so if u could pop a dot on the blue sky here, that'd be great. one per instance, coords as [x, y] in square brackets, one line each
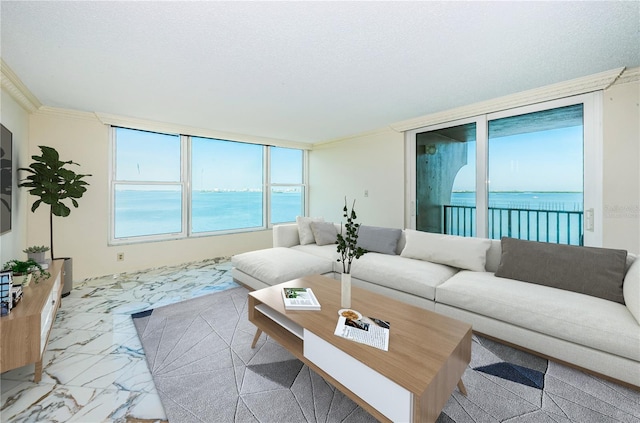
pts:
[216, 164]
[539, 161]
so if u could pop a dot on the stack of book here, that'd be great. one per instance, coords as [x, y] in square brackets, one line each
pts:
[300, 299]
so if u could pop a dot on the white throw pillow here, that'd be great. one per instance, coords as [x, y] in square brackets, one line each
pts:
[457, 251]
[304, 229]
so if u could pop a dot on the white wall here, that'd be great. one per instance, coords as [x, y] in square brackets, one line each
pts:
[621, 156]
[83, 235]
[16, 120]
[373, 162]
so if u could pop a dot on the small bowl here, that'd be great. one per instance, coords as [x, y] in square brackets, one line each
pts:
[348, 310]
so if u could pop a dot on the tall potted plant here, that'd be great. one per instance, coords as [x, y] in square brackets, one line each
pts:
[53, 184]
[348, 250]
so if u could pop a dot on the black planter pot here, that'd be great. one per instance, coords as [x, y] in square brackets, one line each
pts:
[67, 275]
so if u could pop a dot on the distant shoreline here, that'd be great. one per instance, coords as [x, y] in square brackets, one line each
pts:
[523, 192]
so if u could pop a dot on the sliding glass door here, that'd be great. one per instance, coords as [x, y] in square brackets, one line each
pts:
[529, 173]
[445, 175]
[536, 173]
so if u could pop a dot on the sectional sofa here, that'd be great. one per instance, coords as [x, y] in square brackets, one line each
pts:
[577, 305]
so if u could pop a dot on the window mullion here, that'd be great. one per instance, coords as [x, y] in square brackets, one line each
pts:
[266, 187]
[185, 180]
[482, 177]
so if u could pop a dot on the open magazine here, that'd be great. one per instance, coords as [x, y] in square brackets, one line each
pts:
[367, 330]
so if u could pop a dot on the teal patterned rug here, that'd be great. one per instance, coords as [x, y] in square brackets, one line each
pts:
[204, 369]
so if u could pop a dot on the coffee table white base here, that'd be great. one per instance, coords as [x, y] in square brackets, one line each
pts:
[386, 396]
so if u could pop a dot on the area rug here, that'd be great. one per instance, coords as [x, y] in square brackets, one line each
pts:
[199, 353]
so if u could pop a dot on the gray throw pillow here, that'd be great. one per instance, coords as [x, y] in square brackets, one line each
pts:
[379, 240]
[598, 272]
[324, 232]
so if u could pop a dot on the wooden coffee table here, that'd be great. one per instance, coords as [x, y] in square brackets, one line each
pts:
[428, 352]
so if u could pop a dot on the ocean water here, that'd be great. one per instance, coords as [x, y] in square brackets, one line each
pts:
[141, 213]
[564, 201]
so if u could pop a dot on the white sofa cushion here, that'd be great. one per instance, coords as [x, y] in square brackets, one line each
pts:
[329, 252]
[631, 289]
[304, 229]
[285, 235]
[403, 274]
[277, 265]
[578, 318]
[457, 251]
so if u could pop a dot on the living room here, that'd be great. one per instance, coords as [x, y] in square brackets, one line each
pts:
[83, 136]
[371, 155]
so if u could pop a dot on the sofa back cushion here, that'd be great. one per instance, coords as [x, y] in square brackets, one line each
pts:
[494, 254]
[588, 270]
[631, 288]
[457, 251]
[379, 240]
[285, 235]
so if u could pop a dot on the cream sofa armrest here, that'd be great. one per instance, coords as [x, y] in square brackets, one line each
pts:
[286, 235]
[631, 289]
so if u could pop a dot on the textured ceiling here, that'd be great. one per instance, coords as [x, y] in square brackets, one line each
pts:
[305, 71]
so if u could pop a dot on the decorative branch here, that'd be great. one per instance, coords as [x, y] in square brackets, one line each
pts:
[347, 244]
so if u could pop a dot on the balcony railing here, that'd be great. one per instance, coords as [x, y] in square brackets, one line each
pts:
[556, 226]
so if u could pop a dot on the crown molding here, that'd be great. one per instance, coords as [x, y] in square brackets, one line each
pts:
[629, 75]
[14, 86]
[599, 81]
[171, 128]
[59, 112]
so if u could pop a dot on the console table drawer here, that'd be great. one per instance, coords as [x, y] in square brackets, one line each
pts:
[48, 313]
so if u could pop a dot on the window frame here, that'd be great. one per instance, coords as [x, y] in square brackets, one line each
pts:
[186, 185]
[269, 185]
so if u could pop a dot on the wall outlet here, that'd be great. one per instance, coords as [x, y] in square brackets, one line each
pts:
[120, 256]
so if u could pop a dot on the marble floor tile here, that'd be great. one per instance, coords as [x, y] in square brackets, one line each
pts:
[94, 366]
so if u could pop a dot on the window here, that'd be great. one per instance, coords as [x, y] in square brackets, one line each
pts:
[535, 166]
[286, 185]
[171, 186]
[147, 190]
[227, 179]
[519, 173]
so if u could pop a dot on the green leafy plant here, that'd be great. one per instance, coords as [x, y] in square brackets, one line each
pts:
[29, 266]
[347, 243]
[53, 183]
[36, 249]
